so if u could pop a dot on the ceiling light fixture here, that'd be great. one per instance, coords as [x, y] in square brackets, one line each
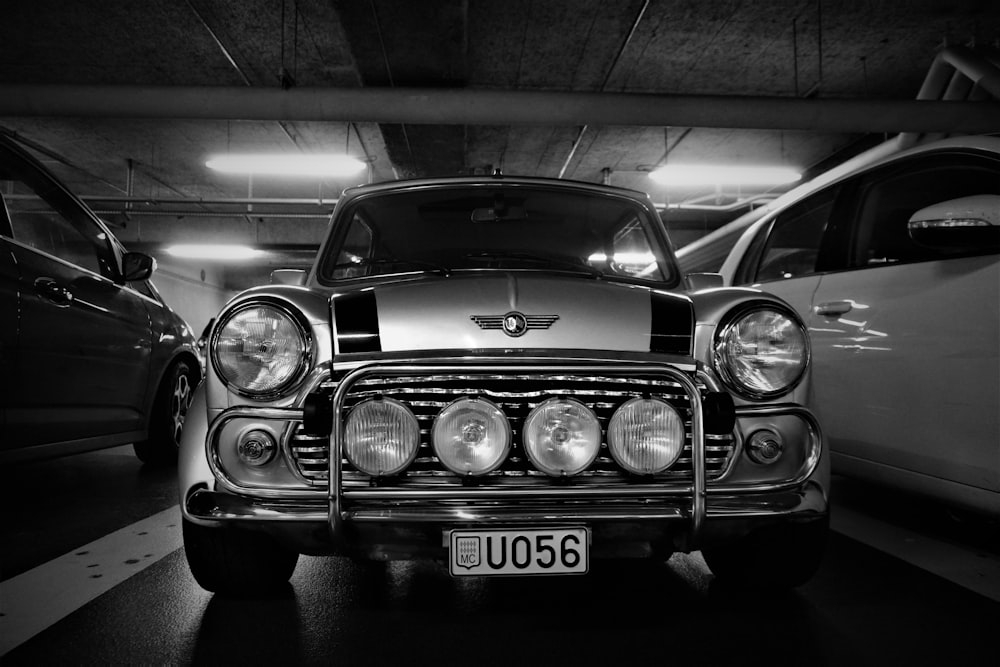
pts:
[287, 165]
[694, 175]
[219, 252]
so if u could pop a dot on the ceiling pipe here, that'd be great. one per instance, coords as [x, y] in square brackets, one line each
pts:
[604, 84]
[496, 107]
[957, 73]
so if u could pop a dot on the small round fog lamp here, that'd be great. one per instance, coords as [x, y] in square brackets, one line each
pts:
[381, 437]
[562, 437]
[646, 436]
[471, 436]
[256, 448]
[765, 447]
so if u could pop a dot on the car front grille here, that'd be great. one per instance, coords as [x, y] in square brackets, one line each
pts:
[516, 395]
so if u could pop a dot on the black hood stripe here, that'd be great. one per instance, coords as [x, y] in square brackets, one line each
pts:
[671, 327]
[357, 323]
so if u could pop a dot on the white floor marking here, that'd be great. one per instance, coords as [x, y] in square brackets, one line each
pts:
[33, 601]
[979, 571]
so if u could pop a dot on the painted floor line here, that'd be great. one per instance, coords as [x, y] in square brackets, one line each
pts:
[978, 571]
[39, 598]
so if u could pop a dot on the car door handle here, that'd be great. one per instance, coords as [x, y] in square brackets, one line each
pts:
[52, 291]
[834, 308]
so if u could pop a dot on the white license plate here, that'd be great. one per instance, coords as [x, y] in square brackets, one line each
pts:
[483, 553]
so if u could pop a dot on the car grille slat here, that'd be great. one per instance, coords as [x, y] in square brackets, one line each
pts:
[516, 395]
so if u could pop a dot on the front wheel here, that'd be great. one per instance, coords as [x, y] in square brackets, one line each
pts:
[167, 419]
[774, 558]
[236, 562]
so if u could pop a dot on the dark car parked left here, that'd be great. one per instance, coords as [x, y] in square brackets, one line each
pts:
[90, 355]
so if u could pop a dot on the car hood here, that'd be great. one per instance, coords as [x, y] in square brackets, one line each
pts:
[467, 312]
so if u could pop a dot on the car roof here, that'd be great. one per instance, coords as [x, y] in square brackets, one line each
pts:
[493, 181]
[882, 154]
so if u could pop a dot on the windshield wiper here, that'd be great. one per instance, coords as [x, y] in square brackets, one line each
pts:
[430, 267]
[541, 258]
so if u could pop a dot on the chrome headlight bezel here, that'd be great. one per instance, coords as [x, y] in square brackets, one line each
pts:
[722, 362]
[294, 379]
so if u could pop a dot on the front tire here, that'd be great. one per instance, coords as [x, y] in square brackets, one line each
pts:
[775, 558]
[167, 419]
[236, 562]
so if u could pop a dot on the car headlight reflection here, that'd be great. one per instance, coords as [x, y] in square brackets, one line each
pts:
[259, 350]
[646, 436]
[562, 436]
[762, 353]
[381, 437]
[471, 436]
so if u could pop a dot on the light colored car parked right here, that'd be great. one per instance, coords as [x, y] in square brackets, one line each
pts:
[895, 270]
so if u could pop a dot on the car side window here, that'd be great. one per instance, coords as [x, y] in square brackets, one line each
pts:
[43, 217]
[632, 255]
[887, 199]
[357, 246]
[793, 244]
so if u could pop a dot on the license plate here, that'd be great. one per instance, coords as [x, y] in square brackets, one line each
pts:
[484, 553]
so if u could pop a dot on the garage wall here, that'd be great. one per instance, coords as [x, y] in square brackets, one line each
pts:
[194, 291]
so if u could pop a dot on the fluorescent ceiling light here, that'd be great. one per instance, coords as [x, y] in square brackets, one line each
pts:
[214, 251]
[679, 174]
[287, 165]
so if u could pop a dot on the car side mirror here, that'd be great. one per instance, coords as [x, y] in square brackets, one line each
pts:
[137, 266]
[700, 281]
[966, 223]
[288, 277]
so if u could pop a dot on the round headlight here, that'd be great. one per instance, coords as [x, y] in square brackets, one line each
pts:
[762, 353]
[259, 350]
[646, 435]
[381, 436]
[471, 436]
[562, 436]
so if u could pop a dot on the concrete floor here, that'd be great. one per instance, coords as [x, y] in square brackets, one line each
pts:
[96, 539]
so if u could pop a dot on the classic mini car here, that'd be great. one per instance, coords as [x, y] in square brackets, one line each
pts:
[504, 373]
[90, 354]
[895, 269]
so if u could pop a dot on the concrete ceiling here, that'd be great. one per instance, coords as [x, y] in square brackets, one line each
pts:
[687, 75]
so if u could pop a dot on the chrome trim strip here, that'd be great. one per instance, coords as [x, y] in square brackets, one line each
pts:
[795, 410]
[514, 514]
[258, 414]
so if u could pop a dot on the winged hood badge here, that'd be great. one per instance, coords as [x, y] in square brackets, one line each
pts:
[514, 324]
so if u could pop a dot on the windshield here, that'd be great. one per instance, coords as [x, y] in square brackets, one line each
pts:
[469, 228]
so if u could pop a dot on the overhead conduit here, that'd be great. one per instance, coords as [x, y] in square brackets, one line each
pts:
[496, 107]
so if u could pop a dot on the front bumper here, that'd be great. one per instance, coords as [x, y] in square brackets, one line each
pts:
[635, 527]
[633, 519]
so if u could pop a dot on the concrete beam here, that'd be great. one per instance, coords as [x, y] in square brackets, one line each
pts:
[498, 107]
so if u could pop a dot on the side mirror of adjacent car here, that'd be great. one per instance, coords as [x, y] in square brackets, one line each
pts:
[700, 281]
[966, 223]
[137, 266]
[288, 277]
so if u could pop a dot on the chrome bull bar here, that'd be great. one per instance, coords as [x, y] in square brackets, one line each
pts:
[339, 512]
